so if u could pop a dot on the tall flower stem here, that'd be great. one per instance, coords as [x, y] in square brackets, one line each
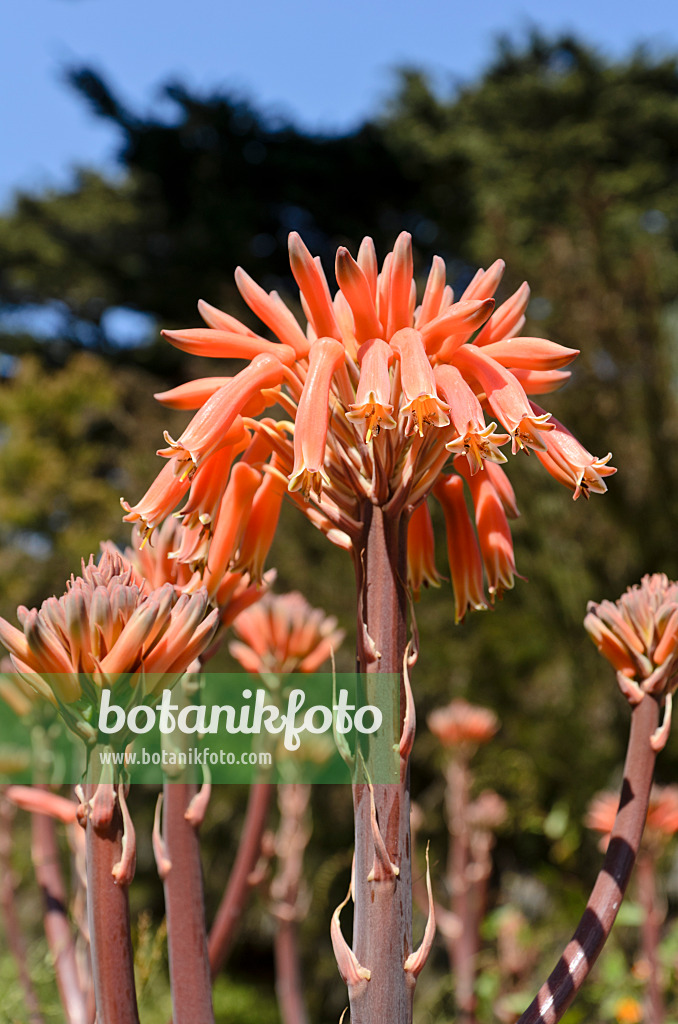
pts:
[45, 854]
[234, 898]
[180, 868]
[108, 918]
[382, 892]
[464, 947]
[15, 938]
[287, 893]
[646, 880]
[185, 909]
[582, 951]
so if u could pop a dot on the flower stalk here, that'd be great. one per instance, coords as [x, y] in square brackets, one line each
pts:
[15, 939]
[183, 810]
[582, 951]
[45, 854]
[646, 880]
[233, 901]
[288, 899]
[185, 908]
[108, 914]
[382, 883]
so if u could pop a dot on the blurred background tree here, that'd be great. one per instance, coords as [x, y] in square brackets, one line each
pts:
[561, 163]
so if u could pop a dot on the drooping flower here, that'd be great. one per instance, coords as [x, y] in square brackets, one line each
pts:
[110, 629]
[463, 552]
[569, 462]
[494, 533]
[421, 565]
[376, 394]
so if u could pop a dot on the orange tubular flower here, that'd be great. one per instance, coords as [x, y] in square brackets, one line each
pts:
[476, 441]
[375, 393]
[462, 548]
[506, 398]
[231, 523]
[373, 397]
[159, 501]
[325, 357]
[209, 430]
[568, 461]
[261, 525]
[421, 403]
[494, 533]
[421, 564]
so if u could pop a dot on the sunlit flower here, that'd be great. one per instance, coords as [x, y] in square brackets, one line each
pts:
[461, 723]
[569, 462]
[158, 564]
[463, 553]
[110, 629]
[494, 533]
[378, 395]
[373, 396]
[638, 634]
[421, 565]
[282, 633]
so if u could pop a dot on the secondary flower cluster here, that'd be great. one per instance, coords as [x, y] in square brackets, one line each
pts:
[282, 633]
[378, 394]
[461, 724]
[110, 629]
[638, 634]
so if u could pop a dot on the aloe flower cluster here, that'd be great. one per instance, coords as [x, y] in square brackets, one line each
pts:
[385, 400]
[282, 633]
[110, 629]
[463, 724]
[638, 634]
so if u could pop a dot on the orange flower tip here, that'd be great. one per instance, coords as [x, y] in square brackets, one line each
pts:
[344, 260]
[536, 354]
[192, 395]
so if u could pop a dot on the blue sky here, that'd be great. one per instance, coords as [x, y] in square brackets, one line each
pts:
[325, 63]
